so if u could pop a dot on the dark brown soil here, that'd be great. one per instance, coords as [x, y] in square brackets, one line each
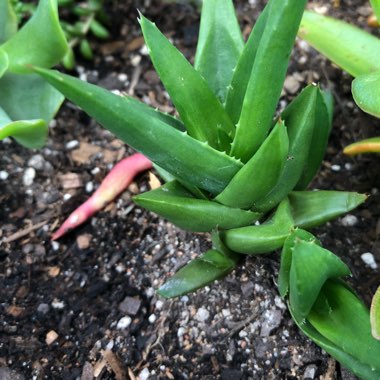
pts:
[93, 293]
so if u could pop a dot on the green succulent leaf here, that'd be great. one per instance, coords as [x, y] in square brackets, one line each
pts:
[375, 315]
[260, 174]
[200, 110]
[313, 208]
[8, 21]
[4, 62]
[219, 45]
[199, 272]
[29, 133]
[299, 118]
[376, 8]
[351, 48]
[270, 66]
[166, 146]
[263, 238]
[32, 44]
[287, 255]
[366, 92]
[356, 349]
[305, 282]
[28, 97]
[242, 72]
[322, 128]
[173, 202]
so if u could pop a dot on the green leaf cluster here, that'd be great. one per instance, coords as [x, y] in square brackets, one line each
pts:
[232, 165]
[355, 51]
[27, 102]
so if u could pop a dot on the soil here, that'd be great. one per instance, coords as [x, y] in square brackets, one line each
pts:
[85, 307]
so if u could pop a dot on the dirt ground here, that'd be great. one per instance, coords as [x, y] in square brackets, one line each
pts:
[85, 307]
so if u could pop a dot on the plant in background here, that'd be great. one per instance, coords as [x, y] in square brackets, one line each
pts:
[233, 170]
[90, 18]
[27, 102]
[355, 51]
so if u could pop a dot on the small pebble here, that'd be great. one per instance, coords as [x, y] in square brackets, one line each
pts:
[89, 187]
[124, 323]
[122, 77]
[72, 144]
[37, 162]
[144, 374]
[349, 220]
[369, 260]
[335, 168]
[29, 175]
[51, 337]
[310, 372]
[66, 196]
[272, 319]
[130, 305]
[181, 332]
[202, 314]
[43, 308]
[4, 175]
[152, 318]
[57, 304]
[55, 245]
[185, 299]
[159, 305]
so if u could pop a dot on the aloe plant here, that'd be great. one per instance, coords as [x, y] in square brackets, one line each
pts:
[27, 102]
[234, 168]
[355, 51]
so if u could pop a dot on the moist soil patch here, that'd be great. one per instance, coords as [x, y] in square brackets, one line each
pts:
[85, 307]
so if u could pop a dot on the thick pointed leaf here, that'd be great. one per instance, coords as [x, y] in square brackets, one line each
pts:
[173, 202]
[299, 118]
[167, 147]
[345, 323]
[242, 72]
[305, 282]
[201, 271]
[351, 48]
[322, 128]
[267, 76]
[262, 238]
[259, 175]
[29, 133]
[8, 21]
[371, 145]
[375, 4]
[219, 45]
[364, 370]
[375, 315]
[313, 208]
[26, 97]
[286, 257]
[39, 42]
[4, 62]
[200, 110]
[366, 92]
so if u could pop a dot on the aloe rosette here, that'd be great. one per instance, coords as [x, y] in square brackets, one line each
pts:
[28, 103]
[231, 166]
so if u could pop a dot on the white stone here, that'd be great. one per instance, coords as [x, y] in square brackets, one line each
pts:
[122, 77]
[369, 260]
[37, 162]
[29, 175]
[55, 245]
[124, 323]
[144, 374]
[181, 332]
[72, 144]
[335, 168]
[349, 220]
[4, 175]
[57, 304]
[159, 305]
[89, 187]
[202, 314]
[152, 318]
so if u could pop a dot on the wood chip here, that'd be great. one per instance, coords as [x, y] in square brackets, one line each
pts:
[85, 151]
[115, 364]
[70, 181]
[154, 182]
[99, 367]
[136, 43]
[14, 311]
[131, 374]
[51, 337]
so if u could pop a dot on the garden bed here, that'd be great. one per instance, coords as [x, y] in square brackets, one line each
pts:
[86, 307]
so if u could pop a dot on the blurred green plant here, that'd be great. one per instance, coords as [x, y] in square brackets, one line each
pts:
[84, 18]
[355, 51]
[234, 169]
[27, 102]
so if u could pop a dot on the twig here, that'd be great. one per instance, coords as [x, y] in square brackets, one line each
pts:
[19, 234]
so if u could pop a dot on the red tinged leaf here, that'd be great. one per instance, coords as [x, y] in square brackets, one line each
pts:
[115, 182]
